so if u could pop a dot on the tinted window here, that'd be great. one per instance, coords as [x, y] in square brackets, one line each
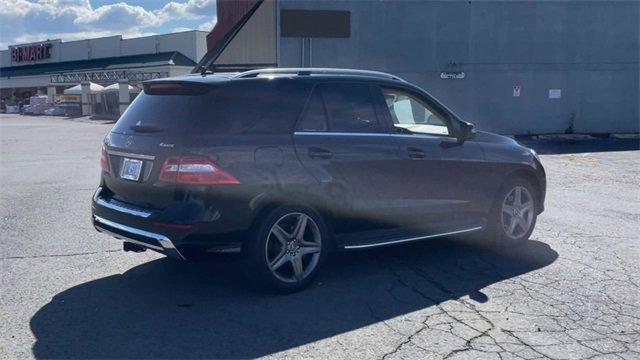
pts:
[350, 108]
[238, 107]
[411, 115]
[315, 116]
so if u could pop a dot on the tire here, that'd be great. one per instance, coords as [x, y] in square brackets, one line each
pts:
[276, 259]
[511, 223]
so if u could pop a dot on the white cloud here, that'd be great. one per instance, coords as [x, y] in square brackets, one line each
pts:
[191, 9]
[120, 16]
[208, 25]
[33, 20]
[27, 38]
[52, 8]
[180, 29]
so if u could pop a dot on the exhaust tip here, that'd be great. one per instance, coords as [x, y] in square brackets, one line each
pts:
[127, 246]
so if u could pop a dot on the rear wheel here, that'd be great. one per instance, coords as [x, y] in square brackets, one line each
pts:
[513, 215]
[286, 249]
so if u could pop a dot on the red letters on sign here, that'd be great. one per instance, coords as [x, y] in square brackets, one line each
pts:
[31, 52]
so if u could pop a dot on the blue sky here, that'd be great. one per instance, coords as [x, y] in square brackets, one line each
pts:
[24, 21]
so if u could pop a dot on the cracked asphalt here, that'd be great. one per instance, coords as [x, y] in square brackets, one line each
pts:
[66, 291]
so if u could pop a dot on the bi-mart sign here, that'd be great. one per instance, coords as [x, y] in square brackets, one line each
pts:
[33, 52]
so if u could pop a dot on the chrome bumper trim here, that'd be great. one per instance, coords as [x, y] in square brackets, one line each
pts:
[167, 247]
[131, 155]
[400, 241]
[135, 212]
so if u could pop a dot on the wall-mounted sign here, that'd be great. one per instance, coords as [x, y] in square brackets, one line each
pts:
[33, 52]
[555, 93]
[516, 90]
[315, 23]
[455, 75]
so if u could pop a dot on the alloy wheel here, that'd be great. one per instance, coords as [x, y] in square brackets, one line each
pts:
[517, 212]
[293, 247]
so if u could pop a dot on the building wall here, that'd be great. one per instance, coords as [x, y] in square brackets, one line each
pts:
[588, 49]
[255, 43]
[183, 42]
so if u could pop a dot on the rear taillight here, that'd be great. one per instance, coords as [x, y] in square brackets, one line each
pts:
[104, 160]
[194, 170]
[169, 171]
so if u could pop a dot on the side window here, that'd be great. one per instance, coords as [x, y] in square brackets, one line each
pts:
[410, 115]
[350, 108]
[315, 116]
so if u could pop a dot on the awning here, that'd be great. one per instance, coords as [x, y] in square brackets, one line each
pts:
[116, 87]
[77, 90]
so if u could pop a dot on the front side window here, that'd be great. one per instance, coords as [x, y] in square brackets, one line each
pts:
[411, 115]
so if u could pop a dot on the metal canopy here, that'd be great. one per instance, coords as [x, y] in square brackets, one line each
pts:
[107, 76]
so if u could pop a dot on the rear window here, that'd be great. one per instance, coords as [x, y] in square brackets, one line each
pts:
[237, 107]
[348, 107]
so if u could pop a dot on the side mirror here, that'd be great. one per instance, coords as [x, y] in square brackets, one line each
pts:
[466, 131]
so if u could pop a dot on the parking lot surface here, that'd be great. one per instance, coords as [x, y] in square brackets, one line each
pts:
[573, 291]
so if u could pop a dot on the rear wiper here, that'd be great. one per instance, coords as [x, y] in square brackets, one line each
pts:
[146, 128]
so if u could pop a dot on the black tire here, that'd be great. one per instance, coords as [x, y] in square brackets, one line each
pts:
[495, 234]
[256, 250]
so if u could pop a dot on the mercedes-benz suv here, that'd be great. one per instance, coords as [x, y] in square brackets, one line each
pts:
[286, 165]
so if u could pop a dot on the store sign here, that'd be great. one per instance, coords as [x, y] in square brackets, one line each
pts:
[33, 52]
[452, 75]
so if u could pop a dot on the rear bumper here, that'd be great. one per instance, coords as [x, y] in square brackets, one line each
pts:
[153, 229]
[150, 240]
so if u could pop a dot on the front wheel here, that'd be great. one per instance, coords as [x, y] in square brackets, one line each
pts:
[286, 249]
[513, 215]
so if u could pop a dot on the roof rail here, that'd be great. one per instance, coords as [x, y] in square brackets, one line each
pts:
[317, 71]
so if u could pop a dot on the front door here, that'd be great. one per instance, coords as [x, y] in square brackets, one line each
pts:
[442, 176]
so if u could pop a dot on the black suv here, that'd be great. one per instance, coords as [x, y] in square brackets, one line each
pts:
[286, 165]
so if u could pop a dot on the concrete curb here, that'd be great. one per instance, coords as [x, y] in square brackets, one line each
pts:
[87, 119]
[564, 137]
[576, 137]
[625, 136]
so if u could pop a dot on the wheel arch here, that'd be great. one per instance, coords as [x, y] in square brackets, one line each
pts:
[267, 202]
[530, 176]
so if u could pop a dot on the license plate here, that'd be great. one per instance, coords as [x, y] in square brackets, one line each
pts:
[131, 169]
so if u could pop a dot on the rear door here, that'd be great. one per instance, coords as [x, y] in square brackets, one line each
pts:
[342, 142]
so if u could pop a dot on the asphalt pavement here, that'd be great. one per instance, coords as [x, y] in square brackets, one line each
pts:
[66, 291]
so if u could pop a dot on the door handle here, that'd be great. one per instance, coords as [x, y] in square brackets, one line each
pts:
[318, 153]
[415, 153]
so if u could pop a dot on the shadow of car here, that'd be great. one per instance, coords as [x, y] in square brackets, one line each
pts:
[170, 309]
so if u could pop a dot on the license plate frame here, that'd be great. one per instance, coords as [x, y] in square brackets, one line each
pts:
[130, 169]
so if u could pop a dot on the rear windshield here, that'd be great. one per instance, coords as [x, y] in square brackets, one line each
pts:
[237, 107]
